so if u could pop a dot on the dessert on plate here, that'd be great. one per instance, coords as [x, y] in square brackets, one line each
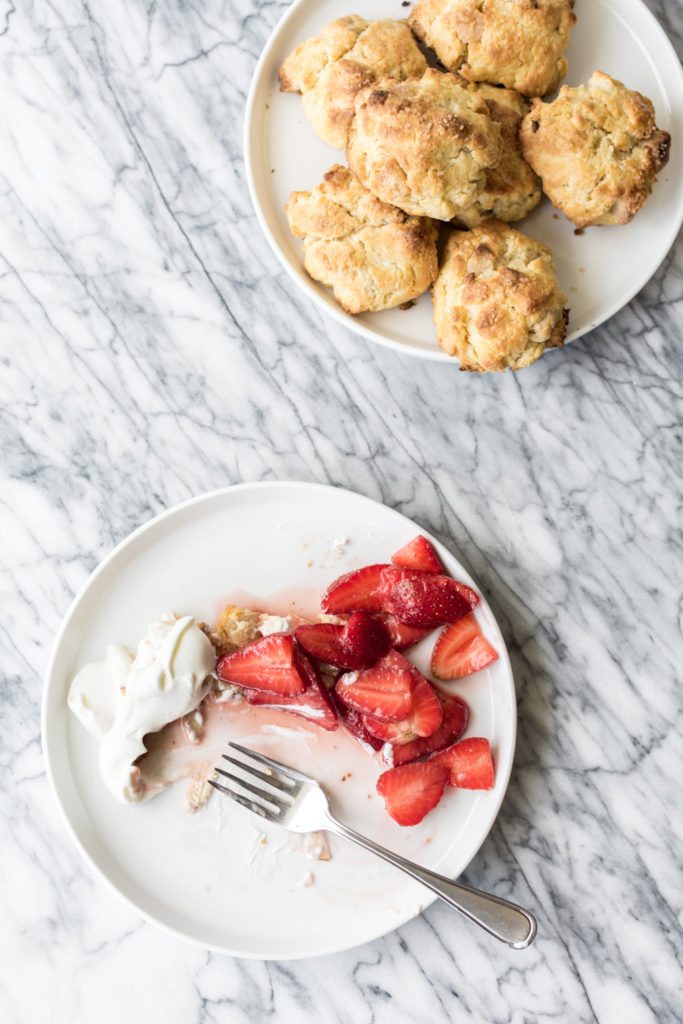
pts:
[516, 43]
[424, 144]
[597, 150]
[512, 189]
[373, 255]
[152, 713]
[349, 54]
[497, 300]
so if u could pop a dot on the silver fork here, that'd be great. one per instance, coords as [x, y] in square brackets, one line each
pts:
[297, 802]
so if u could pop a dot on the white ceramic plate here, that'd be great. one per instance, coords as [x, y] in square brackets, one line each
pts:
[207, 877]
[600, 270]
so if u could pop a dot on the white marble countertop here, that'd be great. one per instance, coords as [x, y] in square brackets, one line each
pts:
[153, 349]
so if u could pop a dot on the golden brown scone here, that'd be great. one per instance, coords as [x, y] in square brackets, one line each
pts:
[371, 254]
[349, 53]
[497, 301]
[424, 144]
[516, 43]
[236, 627]
[597, 149]
[512, 189]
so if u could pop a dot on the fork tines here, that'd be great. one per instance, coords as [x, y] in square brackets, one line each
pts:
[271, 805]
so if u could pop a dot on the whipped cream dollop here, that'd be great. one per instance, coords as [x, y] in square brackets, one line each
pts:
[120, 699]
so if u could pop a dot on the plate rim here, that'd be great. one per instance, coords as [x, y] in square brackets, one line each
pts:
[62, 632]
[328, 305]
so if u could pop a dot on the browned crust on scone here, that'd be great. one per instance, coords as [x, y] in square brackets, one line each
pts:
[597, 150]
[520, 45]
[373, 255]
[497, 301]
[425, 144]
[512, 189]
[349, 54]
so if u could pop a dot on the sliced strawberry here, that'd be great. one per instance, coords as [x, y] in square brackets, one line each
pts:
[363, 641]
[401, 635]
[425, 599]
[313, 704]
[359, 643]
[461, 649]
[355, 723]
[356, 591]
[418, 554]
[411, 791]
[456, 717]
[321, 641]
[383, 691]
[469, 763]
[268, 664]
[423, 719]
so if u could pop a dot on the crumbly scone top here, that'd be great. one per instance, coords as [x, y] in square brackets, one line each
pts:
[516, 43]
[497, 301]
[597, 149]
[372, 254]
[512, 188]
[424, 144]
[348, 54]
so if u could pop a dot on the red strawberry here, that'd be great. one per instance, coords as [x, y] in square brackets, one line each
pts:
[423, 719]
[355, 723]
[425, 599]
[313, 704]
[461, 649]
[268, 664]
[383, 691]
[469, 763]
[359, 643]
[363, 641]
[321, 641]
[456, 717]
[411, 791]
[401, 635]
[356, 591]
[418, 554]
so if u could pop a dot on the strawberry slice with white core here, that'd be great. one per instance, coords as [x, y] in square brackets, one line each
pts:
[401, 635]
[358, 590]
[411, 791]
[383, 691]
[423, 720]
[469, 763]
[355, 724]
[313, 704]
[425, 599]
[268, 664]
[456, 717]
[418, 554]
[461, 649]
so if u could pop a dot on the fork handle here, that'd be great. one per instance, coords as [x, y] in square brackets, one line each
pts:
[504, 920]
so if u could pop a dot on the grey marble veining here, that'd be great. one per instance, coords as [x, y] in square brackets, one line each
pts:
[152, 349]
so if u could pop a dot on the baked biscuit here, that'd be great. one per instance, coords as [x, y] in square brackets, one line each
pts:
[371, 254]
[424, 144]
[516, 43]
[349, 53]
[497, 301]
[597, 149]
[512, 189]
